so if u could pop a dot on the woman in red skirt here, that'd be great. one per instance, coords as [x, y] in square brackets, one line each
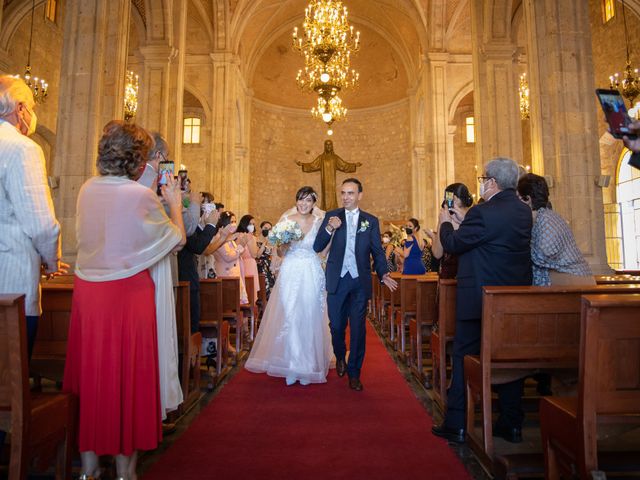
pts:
[112, 354]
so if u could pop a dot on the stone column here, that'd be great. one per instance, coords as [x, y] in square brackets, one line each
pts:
[496, 108]
[564, 130]
[91, 93]
[421, 181]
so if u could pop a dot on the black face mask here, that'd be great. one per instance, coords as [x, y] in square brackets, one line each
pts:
[265, 232]
[409, 231]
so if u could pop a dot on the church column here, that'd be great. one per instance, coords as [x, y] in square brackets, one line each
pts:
[441, 149]
[91, 93]
[497, 117]
[564, 119]
[421, 180]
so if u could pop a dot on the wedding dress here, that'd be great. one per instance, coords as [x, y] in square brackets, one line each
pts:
[294, 340]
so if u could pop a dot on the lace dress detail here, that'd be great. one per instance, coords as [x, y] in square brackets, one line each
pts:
[294, 339]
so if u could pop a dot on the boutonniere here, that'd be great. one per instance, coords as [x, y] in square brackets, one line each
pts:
[363, 225]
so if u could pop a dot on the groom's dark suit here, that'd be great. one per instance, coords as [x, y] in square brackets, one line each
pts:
[347, 296]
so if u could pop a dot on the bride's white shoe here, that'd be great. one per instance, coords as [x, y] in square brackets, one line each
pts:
[290, 381]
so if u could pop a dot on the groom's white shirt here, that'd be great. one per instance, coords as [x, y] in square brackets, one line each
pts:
[349, 263]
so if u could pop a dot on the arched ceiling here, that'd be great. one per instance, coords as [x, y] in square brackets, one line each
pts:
[383, 77]
[393, 40]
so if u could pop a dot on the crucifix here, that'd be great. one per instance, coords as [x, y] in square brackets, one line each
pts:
[328, 163]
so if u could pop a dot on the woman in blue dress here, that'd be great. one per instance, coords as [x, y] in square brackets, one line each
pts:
[413, 249]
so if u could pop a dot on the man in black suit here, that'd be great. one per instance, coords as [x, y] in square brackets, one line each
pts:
[188, 264]
[492, 243]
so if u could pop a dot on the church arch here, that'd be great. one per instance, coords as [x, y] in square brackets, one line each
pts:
[12, 18]
[453, 107]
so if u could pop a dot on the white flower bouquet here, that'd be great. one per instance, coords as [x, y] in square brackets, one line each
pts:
[285, 232]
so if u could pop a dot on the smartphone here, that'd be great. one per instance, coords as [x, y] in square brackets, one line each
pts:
[182, 178]
[615, 112]
[448, 198]
[166, 170]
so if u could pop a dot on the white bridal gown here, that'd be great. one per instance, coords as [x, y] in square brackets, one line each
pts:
[294, 340]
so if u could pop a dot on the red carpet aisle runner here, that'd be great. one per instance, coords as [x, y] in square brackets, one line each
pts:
[258, 428]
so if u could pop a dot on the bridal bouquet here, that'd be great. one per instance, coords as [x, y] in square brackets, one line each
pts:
[285, 232]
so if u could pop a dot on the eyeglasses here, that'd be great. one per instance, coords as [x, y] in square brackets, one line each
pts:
[483, 179]
[164, 157]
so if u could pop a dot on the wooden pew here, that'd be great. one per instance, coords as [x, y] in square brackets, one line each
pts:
[189, 346]
[628, 272]
[420, 325]
[41, 424]
[524, 329]
[50, 347]
[232, 310]
[609, 387]
[212, 323]
[393, 307]
[616, 279]
[442, 338]
[251, 309]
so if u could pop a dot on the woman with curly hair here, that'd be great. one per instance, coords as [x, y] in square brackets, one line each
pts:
[112, 353]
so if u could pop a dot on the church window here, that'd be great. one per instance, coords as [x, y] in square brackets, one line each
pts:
[470, 129]
[50, 10]
[191, 133]
[608, 10]
[629, 214]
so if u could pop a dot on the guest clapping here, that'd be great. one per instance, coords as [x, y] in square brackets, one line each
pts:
[227, 256]
[247, 238]
[418, 258]
[556, 258]
[264, 257]
[122, 230]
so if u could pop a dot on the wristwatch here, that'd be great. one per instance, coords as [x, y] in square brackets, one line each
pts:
[330, 228]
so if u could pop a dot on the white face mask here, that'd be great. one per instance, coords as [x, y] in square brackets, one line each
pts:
[386, 240]
[31, 128]
[251, 228]
[483, 189]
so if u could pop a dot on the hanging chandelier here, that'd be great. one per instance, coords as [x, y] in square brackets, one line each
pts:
[327, 45]
[130, 96]
[630, 84]
[38, 86]
[524, 97]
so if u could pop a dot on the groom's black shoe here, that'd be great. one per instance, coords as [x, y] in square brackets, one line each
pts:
[341, 367]
[355, 384]
[455, 435]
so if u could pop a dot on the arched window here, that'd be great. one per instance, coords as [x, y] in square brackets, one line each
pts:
[628, 196]
[51, 10]
[608, 10]
[191, 132]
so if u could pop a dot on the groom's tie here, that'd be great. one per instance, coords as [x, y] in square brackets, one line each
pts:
[349, 264]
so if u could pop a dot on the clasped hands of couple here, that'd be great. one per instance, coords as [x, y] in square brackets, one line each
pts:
[333, 224]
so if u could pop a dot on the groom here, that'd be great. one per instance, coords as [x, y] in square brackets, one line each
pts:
[356, 237]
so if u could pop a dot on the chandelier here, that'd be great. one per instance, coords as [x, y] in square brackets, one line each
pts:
[38, 86]
[130, 96]
[327, 45]
[524, 97]
[630, 84]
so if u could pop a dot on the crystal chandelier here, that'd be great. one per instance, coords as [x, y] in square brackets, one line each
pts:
[130, 96]
[524, 97]
[329, 111]
[38, 86]
[630, 84]
[327, 46]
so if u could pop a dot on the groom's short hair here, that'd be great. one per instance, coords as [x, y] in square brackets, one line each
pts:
[354, 180]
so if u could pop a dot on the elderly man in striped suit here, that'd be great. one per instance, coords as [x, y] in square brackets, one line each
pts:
[30, 239]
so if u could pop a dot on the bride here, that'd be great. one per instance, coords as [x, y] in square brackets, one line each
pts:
[294, 341]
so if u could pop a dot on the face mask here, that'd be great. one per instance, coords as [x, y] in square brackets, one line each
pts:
[482, 189]
[31, 128]
[251, 228]
[386, 239]
[409, 231]
[265, 232]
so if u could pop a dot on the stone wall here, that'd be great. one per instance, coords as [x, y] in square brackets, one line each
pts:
[378, 138]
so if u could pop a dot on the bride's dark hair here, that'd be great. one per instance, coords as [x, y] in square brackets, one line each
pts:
[305, 192]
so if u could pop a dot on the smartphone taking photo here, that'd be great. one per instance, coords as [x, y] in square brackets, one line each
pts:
[448, 198]
[615, 112]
